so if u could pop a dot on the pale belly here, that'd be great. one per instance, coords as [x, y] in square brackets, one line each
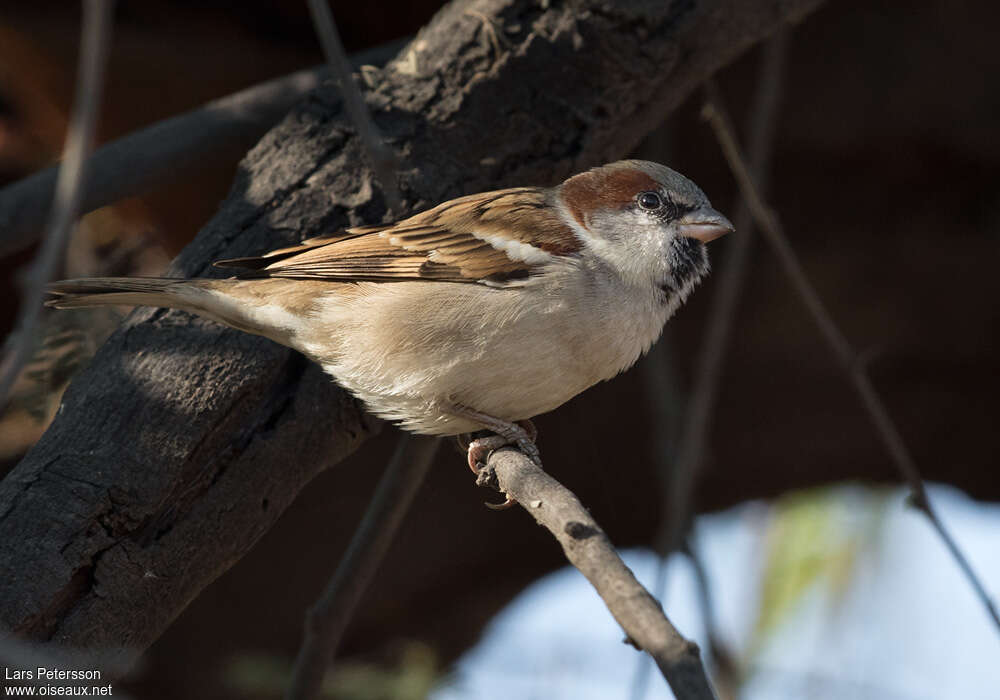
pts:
[413, 354]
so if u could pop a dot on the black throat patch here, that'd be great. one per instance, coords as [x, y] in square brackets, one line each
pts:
[688, 262]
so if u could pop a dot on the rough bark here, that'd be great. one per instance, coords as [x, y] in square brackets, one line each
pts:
[182, 442]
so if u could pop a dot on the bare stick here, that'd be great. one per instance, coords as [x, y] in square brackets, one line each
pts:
[588, 548]
[330, 614]
[725, 303]
[166, 150]
[328, 618]
[727, 674]
[95, 39]
[383, 159]
[849, 361]
[683, 474]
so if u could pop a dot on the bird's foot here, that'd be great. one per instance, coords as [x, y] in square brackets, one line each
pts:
[480, 449]
[521, 434]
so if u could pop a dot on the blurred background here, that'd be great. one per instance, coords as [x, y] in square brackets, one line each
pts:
[886, 171]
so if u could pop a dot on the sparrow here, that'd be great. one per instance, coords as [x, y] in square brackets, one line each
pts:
[477, 314]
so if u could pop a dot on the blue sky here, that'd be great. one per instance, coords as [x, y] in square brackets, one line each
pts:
[883, 612]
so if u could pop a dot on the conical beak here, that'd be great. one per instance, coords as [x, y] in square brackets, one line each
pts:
[704, 225]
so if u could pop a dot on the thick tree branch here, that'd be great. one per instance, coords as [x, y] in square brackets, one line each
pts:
[587, 548]
[180, 428]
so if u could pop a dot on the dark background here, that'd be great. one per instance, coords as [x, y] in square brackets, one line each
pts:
[886, 172]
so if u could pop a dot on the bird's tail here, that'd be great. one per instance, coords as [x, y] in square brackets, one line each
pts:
[253, 306]
[129, 291]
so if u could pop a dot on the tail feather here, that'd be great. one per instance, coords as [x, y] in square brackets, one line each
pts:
[131, 291]
[245, 305]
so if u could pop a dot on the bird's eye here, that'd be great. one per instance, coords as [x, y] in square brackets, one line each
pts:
[650, 201]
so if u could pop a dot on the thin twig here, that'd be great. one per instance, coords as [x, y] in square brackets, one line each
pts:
[684, 468]
[725, 303]
[166, 150]
[726, 669]
[588, 548]
[770, 225]
[664, 399]
[330, 614]
[384, 163]
[328, 618]
[94, 43]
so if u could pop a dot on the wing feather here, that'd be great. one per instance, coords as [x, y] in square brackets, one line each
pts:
[485, 237]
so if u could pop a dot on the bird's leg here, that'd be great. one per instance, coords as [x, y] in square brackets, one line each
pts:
[529, 428]
[521, 433]
[478, 450]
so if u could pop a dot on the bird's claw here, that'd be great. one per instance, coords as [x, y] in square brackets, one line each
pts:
[480, 450]
[521, 433]
[501, 506]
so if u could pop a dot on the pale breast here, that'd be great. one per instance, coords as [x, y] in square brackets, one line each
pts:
[409, 349]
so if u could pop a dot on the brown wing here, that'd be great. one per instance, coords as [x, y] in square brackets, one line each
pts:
[492, 236]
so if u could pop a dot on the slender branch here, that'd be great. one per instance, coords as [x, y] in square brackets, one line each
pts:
[328, 618]
[166, 150]
[588, 548]
[94, 43]
[849, 361]
[725, 303]
[683, 472]
[383, 160]
[330, 614]
[640, 677]
[726, 669]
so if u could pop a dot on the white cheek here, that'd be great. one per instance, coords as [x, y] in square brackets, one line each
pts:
[634, 248]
